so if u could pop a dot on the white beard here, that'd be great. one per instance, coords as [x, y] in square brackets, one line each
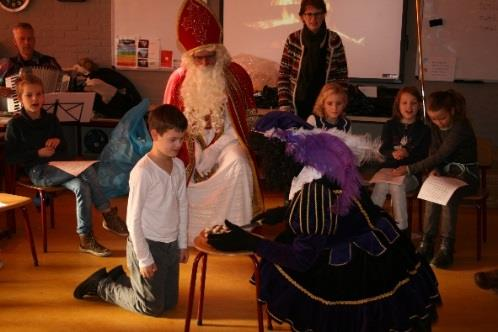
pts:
[204, 95]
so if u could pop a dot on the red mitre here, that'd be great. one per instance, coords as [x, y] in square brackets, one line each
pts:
[197, 26]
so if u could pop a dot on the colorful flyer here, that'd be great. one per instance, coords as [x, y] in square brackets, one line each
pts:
[126, 52]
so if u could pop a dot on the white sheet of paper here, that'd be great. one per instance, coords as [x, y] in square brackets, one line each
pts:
[439, 189]
[385, 175]
[73, 167]
[439, 68]
[369, 91]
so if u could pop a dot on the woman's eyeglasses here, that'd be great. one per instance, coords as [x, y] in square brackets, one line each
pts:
[315, 15]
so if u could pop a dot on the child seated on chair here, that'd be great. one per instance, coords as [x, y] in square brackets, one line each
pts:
[157, 219]
[452, 153]
[329, 109]
[33, 139]
[405, 140]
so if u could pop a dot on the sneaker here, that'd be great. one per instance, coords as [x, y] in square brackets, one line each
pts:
[113, 223]
[443, 259]
[89, 286]
[89, 244]
[426, 250]
[487, 280]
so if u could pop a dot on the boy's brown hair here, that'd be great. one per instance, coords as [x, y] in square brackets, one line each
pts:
[26, 79]
[166, 117]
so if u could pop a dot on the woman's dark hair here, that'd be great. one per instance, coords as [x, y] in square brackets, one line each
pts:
[277, 167]
[319, 4]
[448, 100]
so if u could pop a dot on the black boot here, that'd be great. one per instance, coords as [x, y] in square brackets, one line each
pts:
[487, 280]
[116, 273]
[426, 247]
[444, 257]
[89, 286]
[407, 232]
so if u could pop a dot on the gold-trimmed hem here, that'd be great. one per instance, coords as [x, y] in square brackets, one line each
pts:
[355, 302]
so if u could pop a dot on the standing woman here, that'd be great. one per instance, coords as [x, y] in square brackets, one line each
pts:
[312, 57]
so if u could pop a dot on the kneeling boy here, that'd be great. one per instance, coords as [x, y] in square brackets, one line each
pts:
[157, 217]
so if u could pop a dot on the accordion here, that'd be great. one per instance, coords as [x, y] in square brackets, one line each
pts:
[54, 80]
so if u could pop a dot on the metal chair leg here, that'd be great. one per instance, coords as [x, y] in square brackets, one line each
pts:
[43, 216]
[29, 235]
[479, 235]
[200, 308]
[259, 305]
[191, 293]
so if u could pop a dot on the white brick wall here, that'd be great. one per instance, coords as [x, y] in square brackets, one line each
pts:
[64, 30]
[69, 31]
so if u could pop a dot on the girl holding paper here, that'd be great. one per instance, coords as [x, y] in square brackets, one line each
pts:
[405, 140]
[453, 152]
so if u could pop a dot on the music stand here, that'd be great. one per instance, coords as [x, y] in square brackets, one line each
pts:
[71, 108]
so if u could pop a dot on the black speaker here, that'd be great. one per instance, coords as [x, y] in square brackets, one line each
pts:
[93, 140]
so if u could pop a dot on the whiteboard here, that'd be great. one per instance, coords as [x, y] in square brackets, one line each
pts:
[149, 19]
[468, 35]
[372, 32]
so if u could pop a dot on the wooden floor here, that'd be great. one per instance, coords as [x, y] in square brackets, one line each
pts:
[40, 299]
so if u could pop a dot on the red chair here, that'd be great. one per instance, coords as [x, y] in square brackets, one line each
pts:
[479, 200]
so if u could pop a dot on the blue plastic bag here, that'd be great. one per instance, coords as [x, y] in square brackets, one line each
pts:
[129, 142]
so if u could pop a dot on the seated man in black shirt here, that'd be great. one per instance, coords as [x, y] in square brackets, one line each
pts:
[115, 94]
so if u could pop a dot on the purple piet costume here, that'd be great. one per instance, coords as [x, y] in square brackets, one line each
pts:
[341, 264]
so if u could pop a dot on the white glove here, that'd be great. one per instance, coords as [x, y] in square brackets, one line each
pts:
[209, 157]
[208, 160]
[106, 91]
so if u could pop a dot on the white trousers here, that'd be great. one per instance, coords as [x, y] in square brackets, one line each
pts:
[398, 198]
[227, 194]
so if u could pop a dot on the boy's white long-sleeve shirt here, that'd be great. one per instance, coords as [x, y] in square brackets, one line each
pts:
[157, 207]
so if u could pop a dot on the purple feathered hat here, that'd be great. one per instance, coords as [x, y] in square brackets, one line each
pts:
[329, 155]
[326, 153]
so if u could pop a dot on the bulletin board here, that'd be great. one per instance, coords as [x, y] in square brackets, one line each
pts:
[151, 20]
[459, 40]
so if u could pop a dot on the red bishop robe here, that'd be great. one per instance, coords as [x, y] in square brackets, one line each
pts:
[240, 102]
